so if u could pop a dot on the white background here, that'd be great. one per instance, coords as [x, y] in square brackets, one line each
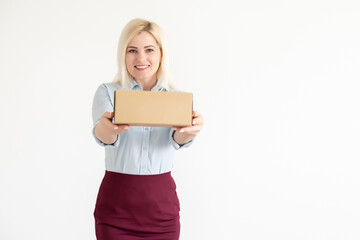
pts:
[276, 81]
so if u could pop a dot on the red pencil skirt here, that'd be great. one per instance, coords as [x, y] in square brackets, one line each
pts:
[130, 207]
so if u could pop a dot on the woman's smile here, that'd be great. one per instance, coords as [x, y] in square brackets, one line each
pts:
[142, 67]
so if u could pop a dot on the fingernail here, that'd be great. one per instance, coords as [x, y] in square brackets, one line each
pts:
[193, 122]
[182, 130]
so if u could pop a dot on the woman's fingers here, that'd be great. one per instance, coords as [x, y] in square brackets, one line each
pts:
[119, 128]
[193, 130]
[196, 114]
[197, 123]
[198, 120]
[108, 115]
[190, 130]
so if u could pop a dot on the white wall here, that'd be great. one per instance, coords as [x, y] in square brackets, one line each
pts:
[278, 85]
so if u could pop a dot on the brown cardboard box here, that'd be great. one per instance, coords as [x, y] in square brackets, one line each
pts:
[157, 109]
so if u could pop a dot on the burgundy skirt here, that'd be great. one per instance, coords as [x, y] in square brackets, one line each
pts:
[130, 207]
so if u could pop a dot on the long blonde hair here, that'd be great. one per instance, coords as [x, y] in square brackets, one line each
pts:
[134, 27]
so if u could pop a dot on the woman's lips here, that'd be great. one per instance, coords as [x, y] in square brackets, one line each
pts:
[142, 67]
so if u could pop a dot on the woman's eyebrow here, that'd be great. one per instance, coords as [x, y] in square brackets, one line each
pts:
[149, 46]
[131, 47]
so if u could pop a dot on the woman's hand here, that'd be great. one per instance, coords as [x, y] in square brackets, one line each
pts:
[186, 134]
[106, 131]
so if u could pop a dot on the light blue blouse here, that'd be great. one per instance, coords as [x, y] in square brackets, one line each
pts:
[140, 150]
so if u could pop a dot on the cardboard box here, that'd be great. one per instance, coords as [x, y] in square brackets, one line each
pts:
[157, 109]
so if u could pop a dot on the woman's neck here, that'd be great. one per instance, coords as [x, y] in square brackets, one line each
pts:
[147, 85]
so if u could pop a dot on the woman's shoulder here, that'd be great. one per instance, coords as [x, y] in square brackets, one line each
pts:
[109, 87]
[105, 92]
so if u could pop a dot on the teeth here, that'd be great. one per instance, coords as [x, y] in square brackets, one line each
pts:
[141, 66]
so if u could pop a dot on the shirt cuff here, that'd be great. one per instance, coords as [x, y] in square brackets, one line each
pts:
[98, 141]
[175, 144]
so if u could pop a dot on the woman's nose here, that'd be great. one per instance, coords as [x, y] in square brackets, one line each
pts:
[140, 56]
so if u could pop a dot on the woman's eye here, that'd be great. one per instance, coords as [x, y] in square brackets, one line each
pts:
[149, 50]
[132, 51]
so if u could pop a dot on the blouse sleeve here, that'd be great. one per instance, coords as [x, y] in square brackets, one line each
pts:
[101, 104]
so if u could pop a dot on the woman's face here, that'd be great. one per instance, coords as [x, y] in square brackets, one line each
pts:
[143, 57]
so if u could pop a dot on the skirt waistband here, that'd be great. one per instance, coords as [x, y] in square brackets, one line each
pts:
[137, 175]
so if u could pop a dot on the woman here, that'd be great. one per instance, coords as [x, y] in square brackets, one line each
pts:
[137, 198]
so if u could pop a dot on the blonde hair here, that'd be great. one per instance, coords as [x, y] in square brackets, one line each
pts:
[131, 29]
